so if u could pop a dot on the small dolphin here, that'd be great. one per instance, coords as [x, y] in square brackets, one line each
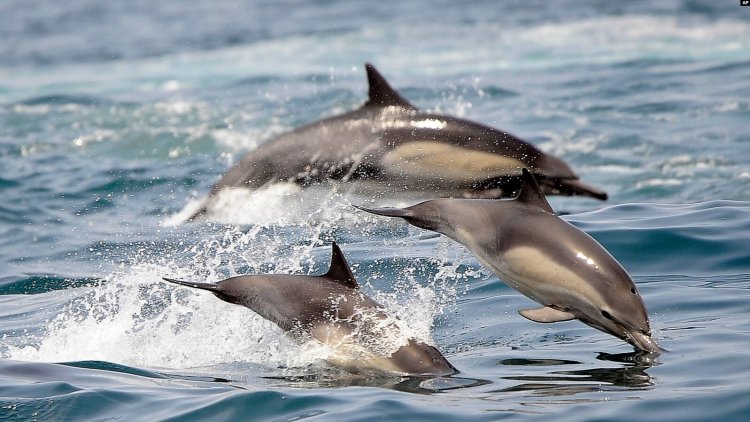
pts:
[332, 309]
[391, 143]
[542, 256]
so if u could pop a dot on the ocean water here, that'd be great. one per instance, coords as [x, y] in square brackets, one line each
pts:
[117, 117]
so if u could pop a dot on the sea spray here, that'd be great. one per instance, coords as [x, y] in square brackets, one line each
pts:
[134, 318]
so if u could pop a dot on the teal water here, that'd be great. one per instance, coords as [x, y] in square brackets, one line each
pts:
[115, 118]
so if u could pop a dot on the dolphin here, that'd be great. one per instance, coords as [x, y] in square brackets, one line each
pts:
[391, 143]
[542, 256]
[331, 309]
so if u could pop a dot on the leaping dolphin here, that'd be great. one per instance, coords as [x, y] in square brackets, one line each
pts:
[392, 143]
[542, 256]
[332, 309]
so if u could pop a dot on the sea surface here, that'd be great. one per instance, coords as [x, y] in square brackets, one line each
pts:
[117, 117]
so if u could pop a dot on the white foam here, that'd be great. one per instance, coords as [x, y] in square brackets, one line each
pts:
[328, 204]
[183, 215]
[566, 143]
[137, 319]
[659, 182]
[686, 166]
[277, 204]
[97, 135]
[618, 169]
[236, 141]
[180, 107]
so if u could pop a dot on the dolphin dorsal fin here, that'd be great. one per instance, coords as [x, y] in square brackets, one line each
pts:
[340, 271]
[531, 194]
[381, 94]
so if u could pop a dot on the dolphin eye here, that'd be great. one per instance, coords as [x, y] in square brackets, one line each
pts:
[606, 314]
[632, 290]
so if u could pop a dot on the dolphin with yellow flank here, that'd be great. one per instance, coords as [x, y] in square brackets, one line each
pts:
[543, 257]
[391, 145]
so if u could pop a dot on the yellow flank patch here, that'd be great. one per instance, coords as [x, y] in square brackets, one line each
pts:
[348, 351]
[544, 280]
[437, 160]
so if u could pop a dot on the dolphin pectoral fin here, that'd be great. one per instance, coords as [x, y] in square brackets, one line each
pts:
[546, 315]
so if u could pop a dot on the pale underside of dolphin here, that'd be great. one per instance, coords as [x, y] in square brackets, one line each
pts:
[391, 143]
[543, 257]
[331, 309]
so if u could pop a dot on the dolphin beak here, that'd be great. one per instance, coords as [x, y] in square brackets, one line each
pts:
[577, 187]
[643, 342]
[637, 338]
[387, 212]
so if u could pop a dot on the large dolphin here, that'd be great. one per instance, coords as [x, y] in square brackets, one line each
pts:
[332, 309]
[390, 142]
[542, 256]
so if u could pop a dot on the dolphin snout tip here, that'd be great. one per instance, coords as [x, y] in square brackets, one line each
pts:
[644, 342]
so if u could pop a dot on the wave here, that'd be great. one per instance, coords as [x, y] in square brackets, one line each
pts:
[64, 99]
[37, 284]
[699, 238]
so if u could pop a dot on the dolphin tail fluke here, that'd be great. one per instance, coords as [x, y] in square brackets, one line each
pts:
[577, 187]
[202, 211]
[386, 212]
[203, 286]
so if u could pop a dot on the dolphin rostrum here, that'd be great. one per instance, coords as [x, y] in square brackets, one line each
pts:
[542, 256]
[331, 309]
[390, 143]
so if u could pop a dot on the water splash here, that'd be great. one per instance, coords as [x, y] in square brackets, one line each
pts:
[135, 318]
